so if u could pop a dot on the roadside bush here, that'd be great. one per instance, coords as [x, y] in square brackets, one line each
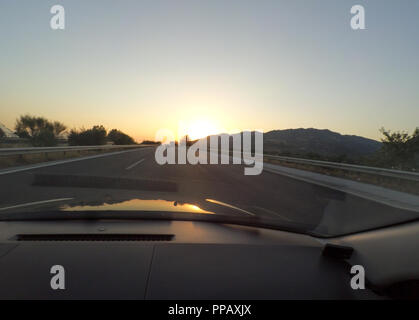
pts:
[151, 142]
[44, 138]
[120, 138]
[90, 137]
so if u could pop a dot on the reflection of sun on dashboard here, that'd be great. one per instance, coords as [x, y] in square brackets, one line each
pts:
[201, 128]
[140, 205]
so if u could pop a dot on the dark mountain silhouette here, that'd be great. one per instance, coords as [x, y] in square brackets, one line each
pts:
[315, 141]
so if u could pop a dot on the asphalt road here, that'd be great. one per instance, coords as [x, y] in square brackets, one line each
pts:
[268, 195]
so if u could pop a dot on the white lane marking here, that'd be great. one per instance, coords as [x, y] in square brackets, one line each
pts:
[134, 164]
[230, 206]
[54, 163]
[28, 204]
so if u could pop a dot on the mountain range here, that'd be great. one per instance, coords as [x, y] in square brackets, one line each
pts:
[315, 141]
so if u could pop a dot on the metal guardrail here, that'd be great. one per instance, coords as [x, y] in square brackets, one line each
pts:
[407, 175]
[34, 150]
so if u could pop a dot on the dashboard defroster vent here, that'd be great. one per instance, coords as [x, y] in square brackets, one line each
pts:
[94, 237]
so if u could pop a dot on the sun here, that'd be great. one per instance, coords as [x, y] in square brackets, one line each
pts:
[201, 128]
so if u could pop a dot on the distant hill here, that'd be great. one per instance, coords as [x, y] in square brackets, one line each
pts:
[314, 144]
[315, 141]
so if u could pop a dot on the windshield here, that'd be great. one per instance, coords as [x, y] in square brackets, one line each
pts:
[287, 114]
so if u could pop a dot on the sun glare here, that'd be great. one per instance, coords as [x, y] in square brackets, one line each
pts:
[201, 128]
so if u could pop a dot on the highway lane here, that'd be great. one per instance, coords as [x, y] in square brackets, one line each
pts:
[266, 195]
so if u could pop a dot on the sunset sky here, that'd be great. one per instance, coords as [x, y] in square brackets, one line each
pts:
[212, 65]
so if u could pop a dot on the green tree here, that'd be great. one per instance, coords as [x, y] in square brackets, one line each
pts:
[400, 149]
[2, 134]
[120, 138]
[58, 128]
[39, 130]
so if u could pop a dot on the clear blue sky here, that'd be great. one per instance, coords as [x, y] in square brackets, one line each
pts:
[143, 65]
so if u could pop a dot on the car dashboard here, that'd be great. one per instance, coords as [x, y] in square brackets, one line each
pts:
[142, 259]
